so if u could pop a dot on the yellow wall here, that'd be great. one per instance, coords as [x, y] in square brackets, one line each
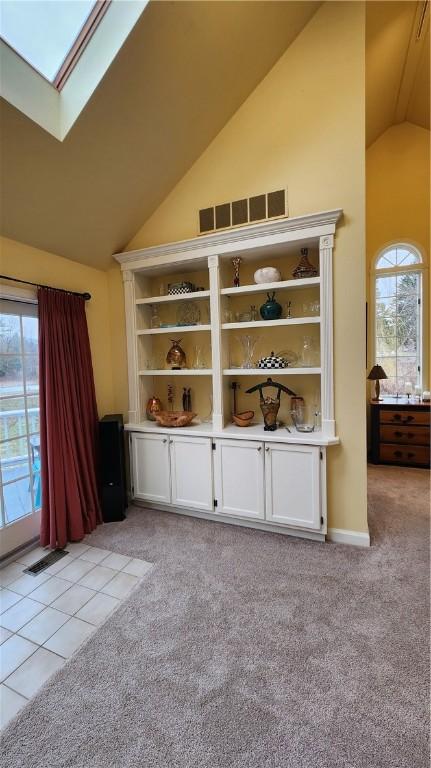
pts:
[28, 263]
[398, 196]
[118, 340]
[303, 127]
[398, 189]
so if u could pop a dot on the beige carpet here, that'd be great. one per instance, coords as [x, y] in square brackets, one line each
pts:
[251, 650]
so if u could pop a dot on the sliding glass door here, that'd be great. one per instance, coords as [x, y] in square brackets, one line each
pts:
[20, 484]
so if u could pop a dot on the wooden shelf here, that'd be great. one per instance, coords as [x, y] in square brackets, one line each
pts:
[272, 323]
[175, 297]
[182, 372]
[173, 329]
[272, 372]
[243, 290]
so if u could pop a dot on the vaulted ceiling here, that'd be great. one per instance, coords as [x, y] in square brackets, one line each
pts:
[184, 70]
[182, 73]
[397, 66]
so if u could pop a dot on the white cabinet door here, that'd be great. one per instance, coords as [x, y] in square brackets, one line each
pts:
[292, 474]
[191, 469]
[150, 468]
[239, 478]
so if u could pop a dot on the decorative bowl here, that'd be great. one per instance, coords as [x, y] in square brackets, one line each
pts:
[243, 419]
[267, 275]
[272, 361]
[174, 418]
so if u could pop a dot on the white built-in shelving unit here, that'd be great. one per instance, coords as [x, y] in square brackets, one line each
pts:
[206, 262]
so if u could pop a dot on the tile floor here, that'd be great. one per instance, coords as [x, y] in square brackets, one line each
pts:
[45, 618]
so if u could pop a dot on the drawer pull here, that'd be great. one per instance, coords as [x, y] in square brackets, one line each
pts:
[408, 419]
[397, 417]
[411, 455]
[398, 454]
[398, 433]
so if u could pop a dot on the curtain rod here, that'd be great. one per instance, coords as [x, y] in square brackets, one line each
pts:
[85, 296]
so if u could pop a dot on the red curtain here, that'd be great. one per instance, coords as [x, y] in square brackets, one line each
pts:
[68, 420]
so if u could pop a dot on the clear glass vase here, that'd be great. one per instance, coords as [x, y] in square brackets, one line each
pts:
[207, 419]
[248, 344]
[308, 354]
[155, 317]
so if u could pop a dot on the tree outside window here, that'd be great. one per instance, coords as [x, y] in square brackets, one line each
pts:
[398, 317]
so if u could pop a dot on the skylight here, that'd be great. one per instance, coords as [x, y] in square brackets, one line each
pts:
[49, 34]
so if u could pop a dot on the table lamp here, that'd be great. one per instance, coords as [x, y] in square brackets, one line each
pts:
[376, 374]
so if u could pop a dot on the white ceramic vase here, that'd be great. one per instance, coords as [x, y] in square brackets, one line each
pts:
[267, 275]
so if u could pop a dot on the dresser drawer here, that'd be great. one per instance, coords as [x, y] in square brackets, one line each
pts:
[401, 454]
[410, 435]
[404, 417]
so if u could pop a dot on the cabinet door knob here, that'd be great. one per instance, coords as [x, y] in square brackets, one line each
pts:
[259, 447]
[165, 440]
[267, 449]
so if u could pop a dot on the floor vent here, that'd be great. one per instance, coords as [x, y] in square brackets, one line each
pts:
[46, 561]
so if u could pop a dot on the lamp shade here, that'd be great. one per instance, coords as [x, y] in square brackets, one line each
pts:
[376, 373]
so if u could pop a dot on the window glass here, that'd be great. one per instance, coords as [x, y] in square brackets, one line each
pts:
[19, 411]
[398, 320]
[17, 499]
[43, 32]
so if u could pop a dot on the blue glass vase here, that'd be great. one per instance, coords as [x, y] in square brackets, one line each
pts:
[271, 310]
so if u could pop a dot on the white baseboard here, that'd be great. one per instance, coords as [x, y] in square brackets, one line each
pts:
[342, 536]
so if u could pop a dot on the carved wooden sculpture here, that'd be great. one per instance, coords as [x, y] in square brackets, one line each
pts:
[270, 405]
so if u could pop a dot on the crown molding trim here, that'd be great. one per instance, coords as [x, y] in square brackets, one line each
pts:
[313, 225]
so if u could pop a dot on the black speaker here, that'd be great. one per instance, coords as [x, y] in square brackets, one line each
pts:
[112, 468]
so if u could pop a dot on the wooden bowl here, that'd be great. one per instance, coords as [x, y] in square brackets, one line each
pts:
[174, 418]
[243, 419]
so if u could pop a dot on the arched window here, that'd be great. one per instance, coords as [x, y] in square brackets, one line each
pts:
[398, 316]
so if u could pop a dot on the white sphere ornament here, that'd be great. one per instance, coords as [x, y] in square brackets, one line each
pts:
[267, 275]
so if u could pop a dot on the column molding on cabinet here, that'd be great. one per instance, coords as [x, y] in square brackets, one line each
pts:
[326, 245]
[215, 309]
[132, 362]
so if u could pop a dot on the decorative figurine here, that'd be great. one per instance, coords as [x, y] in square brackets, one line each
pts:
[153, 406]
[270, 405]
[187, 399]
[289, 310]
[253, 313]
[234, 386]
[304, 268]
[171, 396]
[271, 310]
[236, 261]
[176, 356]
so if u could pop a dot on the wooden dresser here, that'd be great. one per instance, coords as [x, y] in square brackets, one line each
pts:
[400, 432]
